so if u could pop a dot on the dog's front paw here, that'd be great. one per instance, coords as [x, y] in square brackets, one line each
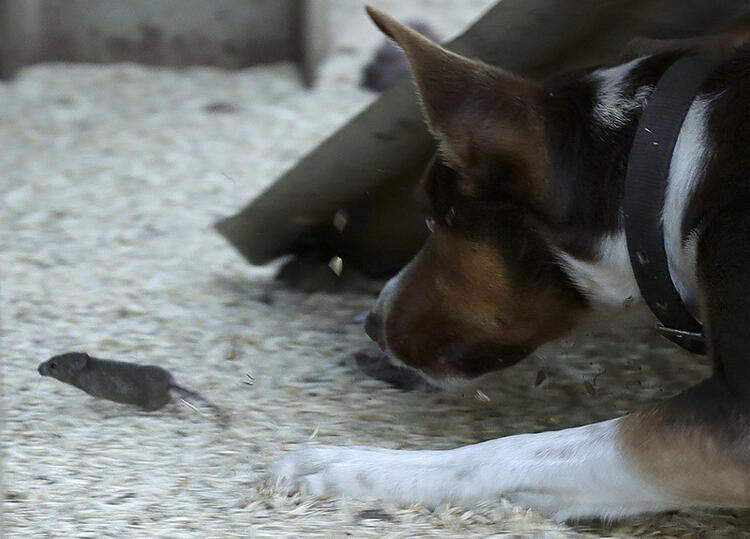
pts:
[326, 471]
[306, 470]
[352, 472]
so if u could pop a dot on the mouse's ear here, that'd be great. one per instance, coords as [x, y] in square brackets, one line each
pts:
[79, 361]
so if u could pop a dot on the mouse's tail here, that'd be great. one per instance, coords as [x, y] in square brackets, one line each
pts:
[187, 395]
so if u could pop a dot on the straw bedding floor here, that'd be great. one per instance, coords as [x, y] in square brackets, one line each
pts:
[112, 178]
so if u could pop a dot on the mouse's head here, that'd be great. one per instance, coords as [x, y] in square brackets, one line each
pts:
[64, 367]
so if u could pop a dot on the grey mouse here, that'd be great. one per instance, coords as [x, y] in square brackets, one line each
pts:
[147, 386]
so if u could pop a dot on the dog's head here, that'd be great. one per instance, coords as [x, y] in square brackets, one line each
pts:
[486, 289]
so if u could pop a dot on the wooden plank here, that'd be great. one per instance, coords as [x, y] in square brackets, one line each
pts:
[224, 33]
[314, 38]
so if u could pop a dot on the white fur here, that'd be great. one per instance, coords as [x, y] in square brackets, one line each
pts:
[607, 281]
[613, 108]
[571, 473]
[686, 169]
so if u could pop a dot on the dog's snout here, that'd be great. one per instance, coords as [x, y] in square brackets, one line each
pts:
[374, 327]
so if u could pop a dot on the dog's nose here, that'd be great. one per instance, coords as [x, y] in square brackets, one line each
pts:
[374, 327]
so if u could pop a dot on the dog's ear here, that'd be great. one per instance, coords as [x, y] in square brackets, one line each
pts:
[483, 117]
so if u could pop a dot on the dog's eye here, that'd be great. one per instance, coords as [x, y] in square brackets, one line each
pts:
[450, 216]
[430, 223]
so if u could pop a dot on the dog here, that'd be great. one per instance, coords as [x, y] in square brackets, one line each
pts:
[527, 242]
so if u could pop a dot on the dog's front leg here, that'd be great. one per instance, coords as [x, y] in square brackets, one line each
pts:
[576, 472]
[666, 457]
[689, 451]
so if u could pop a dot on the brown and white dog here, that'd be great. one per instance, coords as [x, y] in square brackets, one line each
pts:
[527, 242]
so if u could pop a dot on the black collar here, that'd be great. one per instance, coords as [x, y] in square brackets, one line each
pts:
[645, 186]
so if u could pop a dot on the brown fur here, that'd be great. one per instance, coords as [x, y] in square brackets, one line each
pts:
[459, 311]
[692, 462]
[478, 112]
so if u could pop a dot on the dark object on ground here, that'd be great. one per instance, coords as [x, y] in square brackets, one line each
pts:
[317, 272]
[372, 237]
[146, 386]
[378, 366]
[388, 142]
[220, 107]
[389, 64]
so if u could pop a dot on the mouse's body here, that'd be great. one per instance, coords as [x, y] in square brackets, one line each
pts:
[147, 386]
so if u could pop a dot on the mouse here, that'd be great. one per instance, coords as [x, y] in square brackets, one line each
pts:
[146, 386]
